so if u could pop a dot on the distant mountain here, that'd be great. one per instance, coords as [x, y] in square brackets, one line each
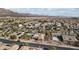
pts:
[7, 12]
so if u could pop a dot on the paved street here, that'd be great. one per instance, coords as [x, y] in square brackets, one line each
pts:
[50, 47]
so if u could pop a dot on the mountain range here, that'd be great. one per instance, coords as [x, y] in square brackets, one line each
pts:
[7, 12]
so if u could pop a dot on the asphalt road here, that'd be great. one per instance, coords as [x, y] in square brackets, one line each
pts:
[49, 47]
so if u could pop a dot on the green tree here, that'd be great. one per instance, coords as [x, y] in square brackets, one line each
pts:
[13, 37]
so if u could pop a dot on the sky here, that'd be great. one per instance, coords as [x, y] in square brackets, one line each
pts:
[73, 12]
